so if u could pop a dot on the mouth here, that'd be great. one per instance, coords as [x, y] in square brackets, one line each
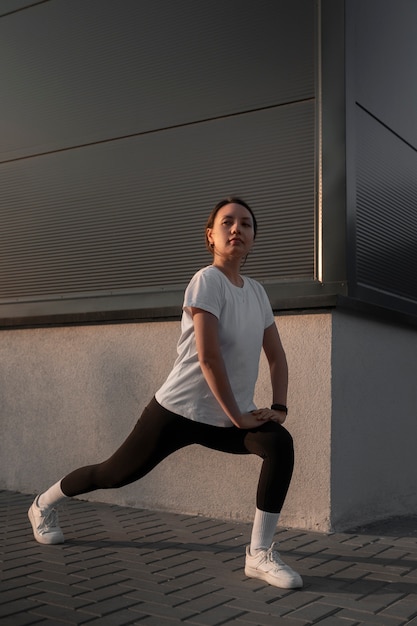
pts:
[235, 240]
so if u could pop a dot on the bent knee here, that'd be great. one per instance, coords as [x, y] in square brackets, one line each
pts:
[278, 438]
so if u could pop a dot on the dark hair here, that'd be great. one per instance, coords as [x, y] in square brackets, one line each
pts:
[222, 203]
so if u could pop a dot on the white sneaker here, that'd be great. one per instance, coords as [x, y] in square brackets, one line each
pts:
[45, 524]
[267, 565]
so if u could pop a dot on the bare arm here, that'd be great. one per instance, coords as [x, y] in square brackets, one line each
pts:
[278, 368]
[214, 370]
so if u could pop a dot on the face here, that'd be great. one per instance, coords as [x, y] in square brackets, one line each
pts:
[232, 234]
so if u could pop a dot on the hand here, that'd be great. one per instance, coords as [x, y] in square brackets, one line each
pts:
[260, 416]
[269, 415]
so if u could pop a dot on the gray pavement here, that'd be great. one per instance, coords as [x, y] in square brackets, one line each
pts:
[129, 566]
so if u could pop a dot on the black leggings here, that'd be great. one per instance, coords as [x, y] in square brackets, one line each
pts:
[159, 432]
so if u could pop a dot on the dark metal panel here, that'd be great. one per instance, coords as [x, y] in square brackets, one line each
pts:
[350, 142]
[79, 72]
[331, 158]
[9, 6]
[381, 122]
[386, 53]
[128, 216]
[386, 211]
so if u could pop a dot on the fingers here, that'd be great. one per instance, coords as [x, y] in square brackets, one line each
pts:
[262, 415]
[281, 417]
[267, 415]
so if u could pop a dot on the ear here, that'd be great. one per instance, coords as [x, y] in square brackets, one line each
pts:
[209, 232]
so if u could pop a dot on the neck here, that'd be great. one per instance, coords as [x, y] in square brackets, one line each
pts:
[231, 270]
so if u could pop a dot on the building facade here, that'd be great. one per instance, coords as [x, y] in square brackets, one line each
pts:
[122, 125]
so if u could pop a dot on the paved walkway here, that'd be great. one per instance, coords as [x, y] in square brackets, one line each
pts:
[128, 566]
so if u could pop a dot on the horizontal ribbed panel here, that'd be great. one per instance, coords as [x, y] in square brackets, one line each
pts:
[386, 210]
[77, 72]
[130, 214]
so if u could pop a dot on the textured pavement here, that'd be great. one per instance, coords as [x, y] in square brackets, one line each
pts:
[130, 566]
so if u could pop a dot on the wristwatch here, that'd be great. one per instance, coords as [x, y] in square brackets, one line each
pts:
[280, 407]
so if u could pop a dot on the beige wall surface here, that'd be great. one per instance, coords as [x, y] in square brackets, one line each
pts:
[70, 395]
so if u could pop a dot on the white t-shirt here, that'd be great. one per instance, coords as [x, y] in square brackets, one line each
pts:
[243, 313]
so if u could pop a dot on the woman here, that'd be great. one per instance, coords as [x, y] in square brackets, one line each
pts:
[208, 396]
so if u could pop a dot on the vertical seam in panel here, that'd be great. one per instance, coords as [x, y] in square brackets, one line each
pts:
[319, 151]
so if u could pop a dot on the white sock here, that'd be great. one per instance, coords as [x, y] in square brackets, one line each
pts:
[263, 530]
[51, 497]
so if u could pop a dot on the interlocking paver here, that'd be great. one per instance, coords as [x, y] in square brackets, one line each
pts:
[314, 612]
[259, 619]
[259, 607]
[11, 595]
[55, 614]
[128, 566]
[17, 606]
[197, 591]
[22, 619]
[162, 610]
[157, 621]
[16, 573]
[61, 600]
[336, 620]
[370, 619]
[121, 618]
[111, 605]
[405, 608]
[295, 600]
[216, 616]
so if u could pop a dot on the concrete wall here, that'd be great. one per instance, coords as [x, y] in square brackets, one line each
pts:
[374, 425]
[70, 395]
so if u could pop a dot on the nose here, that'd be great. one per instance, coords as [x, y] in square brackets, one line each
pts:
[236, 227]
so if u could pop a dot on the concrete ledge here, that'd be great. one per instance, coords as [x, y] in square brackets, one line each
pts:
[72, 394]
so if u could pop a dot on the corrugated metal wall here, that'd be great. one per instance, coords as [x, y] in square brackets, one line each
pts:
[122, 123]
[382, 140]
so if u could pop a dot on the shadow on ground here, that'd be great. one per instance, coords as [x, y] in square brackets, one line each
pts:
[393, 527]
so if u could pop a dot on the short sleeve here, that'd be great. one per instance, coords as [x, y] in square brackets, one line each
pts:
[269, 314]
[205, 291]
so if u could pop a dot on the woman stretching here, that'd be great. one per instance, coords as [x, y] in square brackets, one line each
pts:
[207, 398]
